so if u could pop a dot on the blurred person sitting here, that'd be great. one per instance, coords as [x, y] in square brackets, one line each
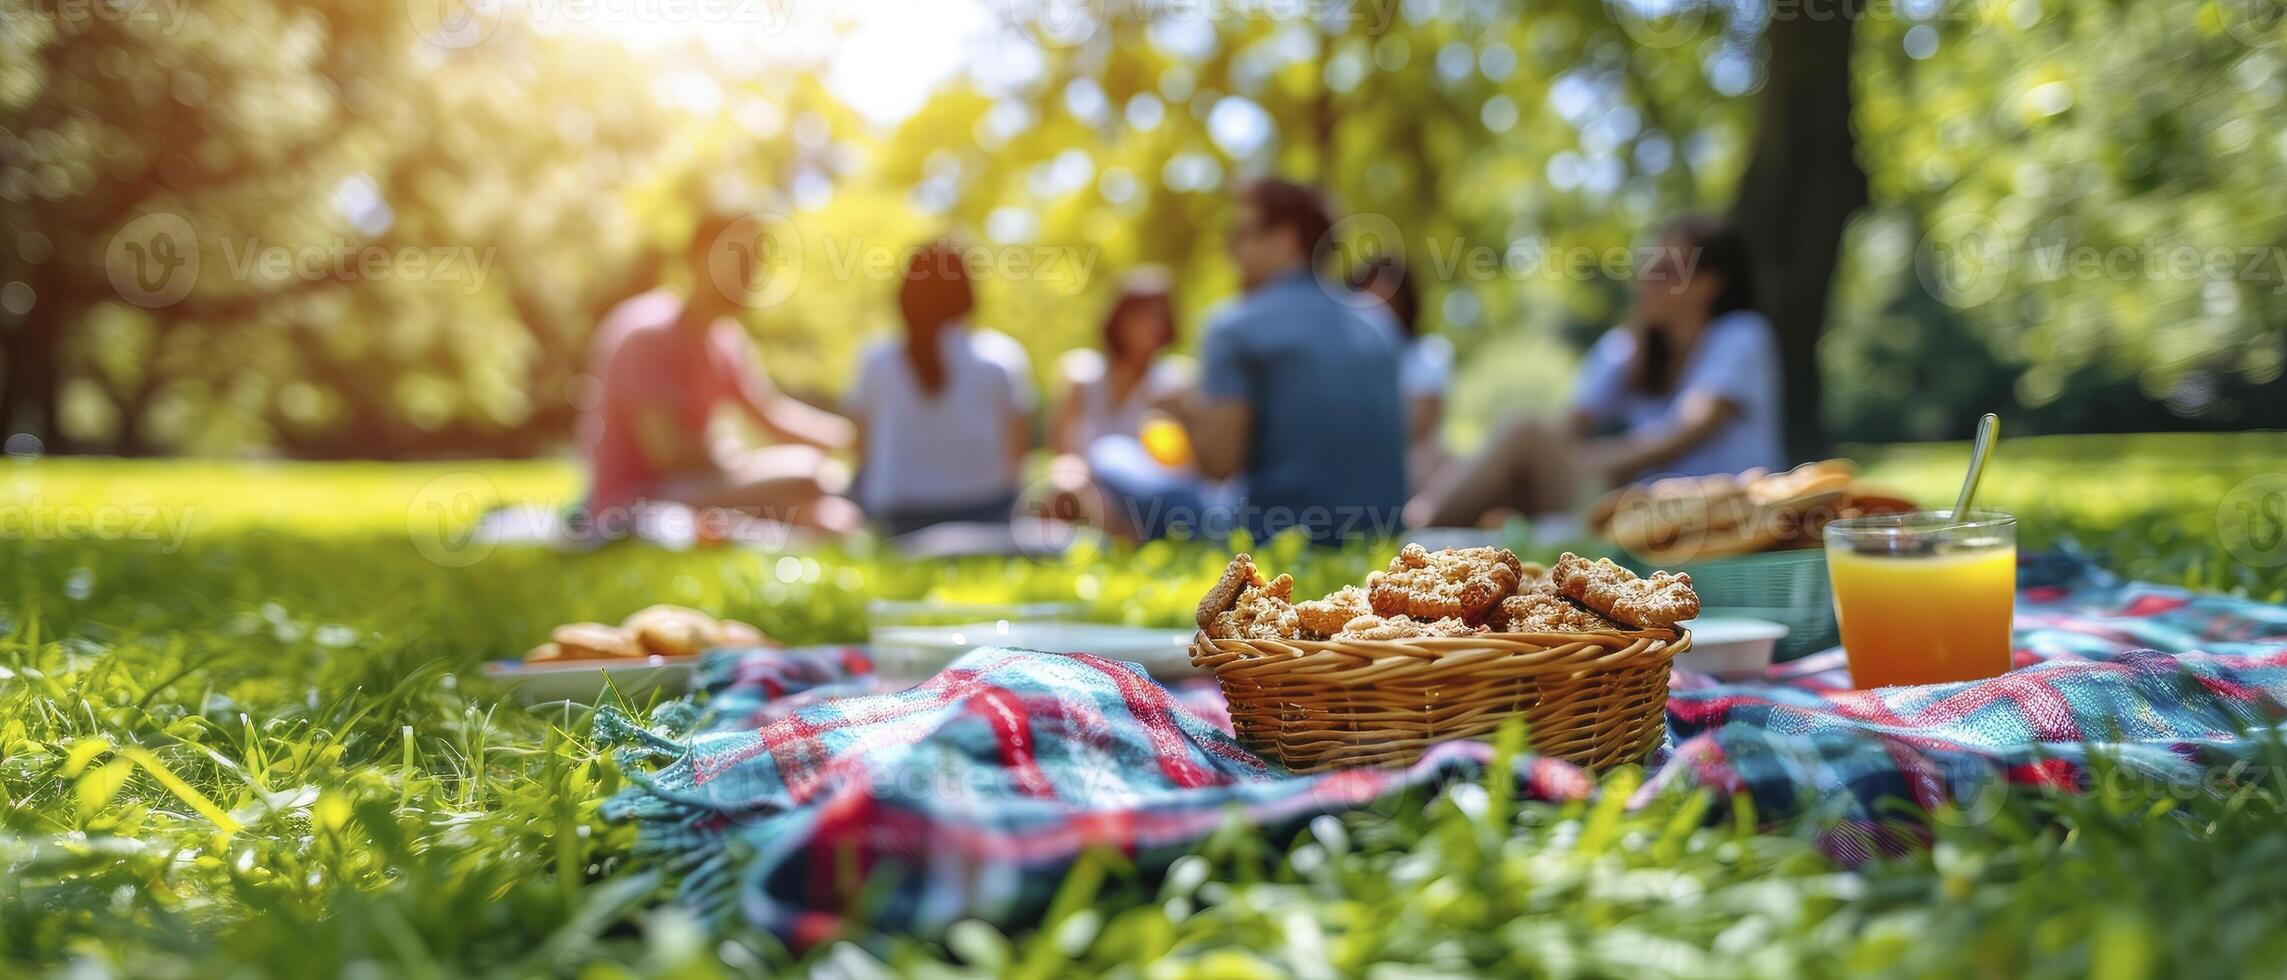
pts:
[665, 363]
[1299, 399]
[1689, 386]
[1130, 389]
[1425, 366]
[943, 412]
[1113, 390]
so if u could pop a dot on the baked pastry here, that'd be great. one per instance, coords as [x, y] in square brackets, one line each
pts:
[590, 641]
[1464, 583]
[1660, 602]
[1546, 612]
[1403, 628]
[733, 633]
[1326, 617]
[1243, 606]
[1810, 479]
[673, 631]
[1238, 576]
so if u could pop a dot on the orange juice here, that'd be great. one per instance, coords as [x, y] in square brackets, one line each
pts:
[1922, 599]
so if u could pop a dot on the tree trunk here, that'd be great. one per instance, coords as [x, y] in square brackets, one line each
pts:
[30, 391]
[1802, 185]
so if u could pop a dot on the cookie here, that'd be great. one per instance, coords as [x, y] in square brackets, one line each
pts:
[1403, 628]
[1463, 583]
[1546, 612]
[1326, 617]
[1661, 601]
[1260, 614]
[1238, 576]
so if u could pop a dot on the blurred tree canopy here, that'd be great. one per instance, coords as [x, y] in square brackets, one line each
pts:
[333, 229]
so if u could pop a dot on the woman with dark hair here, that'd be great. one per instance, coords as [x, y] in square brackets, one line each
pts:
[1113, 391]
[1123, 406]
[1425, 363]
[1689, 386]
[942, 413]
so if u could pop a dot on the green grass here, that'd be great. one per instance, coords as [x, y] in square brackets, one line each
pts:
[260, 744]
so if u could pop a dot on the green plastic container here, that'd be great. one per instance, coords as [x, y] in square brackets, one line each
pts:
[1787, 587]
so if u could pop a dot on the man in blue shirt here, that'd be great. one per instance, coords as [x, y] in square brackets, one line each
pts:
[1300, 396]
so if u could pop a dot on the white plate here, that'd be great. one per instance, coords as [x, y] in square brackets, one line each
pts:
[916, 652]
[586, 681]
[1731, 647]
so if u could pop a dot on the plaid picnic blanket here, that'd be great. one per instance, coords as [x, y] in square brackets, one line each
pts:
[2169, 685]
[804, 795]
[799, 791]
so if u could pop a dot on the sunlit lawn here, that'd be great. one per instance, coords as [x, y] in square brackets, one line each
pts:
[264, 745]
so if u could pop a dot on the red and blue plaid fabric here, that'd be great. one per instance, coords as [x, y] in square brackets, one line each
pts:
[798, 789]
[2169, 685]
[804, 791]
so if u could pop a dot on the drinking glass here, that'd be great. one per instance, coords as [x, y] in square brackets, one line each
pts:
[1924, 597]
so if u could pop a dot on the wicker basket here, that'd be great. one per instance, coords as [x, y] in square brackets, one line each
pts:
[1597, 699]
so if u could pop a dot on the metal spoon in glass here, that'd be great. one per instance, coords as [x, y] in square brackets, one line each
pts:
[1988, 428]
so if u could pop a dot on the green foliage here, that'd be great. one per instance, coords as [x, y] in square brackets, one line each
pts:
[1483, 141]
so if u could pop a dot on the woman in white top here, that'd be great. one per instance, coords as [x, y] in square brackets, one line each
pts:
[1689, 387]
[1109, 391]
[1425, 368]
[943, 413]
[1109, 397]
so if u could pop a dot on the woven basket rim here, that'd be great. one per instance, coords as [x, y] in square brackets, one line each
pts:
[1439, 645]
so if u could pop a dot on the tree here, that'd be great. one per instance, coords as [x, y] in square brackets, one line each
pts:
[1801, 188]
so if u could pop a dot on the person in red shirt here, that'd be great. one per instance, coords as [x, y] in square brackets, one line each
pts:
[666, 363]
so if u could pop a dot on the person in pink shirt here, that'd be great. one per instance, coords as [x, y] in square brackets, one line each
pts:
[666, 364]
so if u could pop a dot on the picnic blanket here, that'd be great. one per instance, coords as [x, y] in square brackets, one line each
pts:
[797, 790]
[805, 793]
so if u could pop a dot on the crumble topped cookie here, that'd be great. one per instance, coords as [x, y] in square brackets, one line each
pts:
[1260, 614]
[1403, 628]
[1238, 576]
[1661, 601]
[1326, 617]
[1532, 577]
[1242, 606]
[1464, 583]
[1546, 612]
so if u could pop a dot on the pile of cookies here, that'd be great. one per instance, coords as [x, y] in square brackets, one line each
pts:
[654, 631]
[1454, 592]
[1684, 519]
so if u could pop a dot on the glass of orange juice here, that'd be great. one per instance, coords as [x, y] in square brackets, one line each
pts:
[1924, 597]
